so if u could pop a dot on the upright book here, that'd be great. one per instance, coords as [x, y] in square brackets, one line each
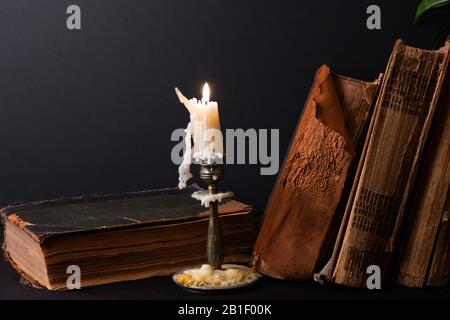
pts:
[118, 237]
[381, 195]
[312, 187]
[425, 255]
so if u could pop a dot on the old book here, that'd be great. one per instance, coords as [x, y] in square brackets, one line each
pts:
[425, 256]
[403, 115]
[118, 237]
[313, 184]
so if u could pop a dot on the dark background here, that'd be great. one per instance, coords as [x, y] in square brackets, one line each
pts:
[92, 110]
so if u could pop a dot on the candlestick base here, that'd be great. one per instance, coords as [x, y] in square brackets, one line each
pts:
[223, 288]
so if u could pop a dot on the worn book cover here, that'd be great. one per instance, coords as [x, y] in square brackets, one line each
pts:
[307, 200]
[425, 256]
[118, 237]
[405, 108]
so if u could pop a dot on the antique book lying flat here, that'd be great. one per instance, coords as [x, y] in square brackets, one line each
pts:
[118, 237]
[310, 194]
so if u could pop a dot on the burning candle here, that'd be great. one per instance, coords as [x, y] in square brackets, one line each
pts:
[204, 129]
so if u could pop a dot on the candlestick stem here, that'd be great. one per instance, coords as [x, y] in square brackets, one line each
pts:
[212, 174]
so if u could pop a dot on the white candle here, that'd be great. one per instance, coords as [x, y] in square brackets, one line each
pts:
[212, 144]
[204, 127]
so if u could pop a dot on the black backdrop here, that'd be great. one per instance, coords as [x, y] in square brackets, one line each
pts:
[92, 110]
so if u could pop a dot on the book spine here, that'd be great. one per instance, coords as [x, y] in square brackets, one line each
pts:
[407, 101]
[326, 273]
[439, 274]
[427, 233]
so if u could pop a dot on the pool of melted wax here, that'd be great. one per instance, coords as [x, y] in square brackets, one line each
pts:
[207, 276]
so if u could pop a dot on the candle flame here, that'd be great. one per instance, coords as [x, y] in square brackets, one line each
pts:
[206, 92]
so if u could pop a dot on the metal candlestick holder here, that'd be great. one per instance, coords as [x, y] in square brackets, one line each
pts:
[211, 174]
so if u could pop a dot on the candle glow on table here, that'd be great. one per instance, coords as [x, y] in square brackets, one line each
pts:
[204, 129]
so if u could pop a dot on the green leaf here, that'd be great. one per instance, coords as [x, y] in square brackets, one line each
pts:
[442, 32]
[427, 5]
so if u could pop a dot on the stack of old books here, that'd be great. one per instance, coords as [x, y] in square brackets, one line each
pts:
[366, 179]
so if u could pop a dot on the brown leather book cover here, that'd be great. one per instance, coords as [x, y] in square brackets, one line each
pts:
[119, 237]
[406, 103]
[305, 204]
